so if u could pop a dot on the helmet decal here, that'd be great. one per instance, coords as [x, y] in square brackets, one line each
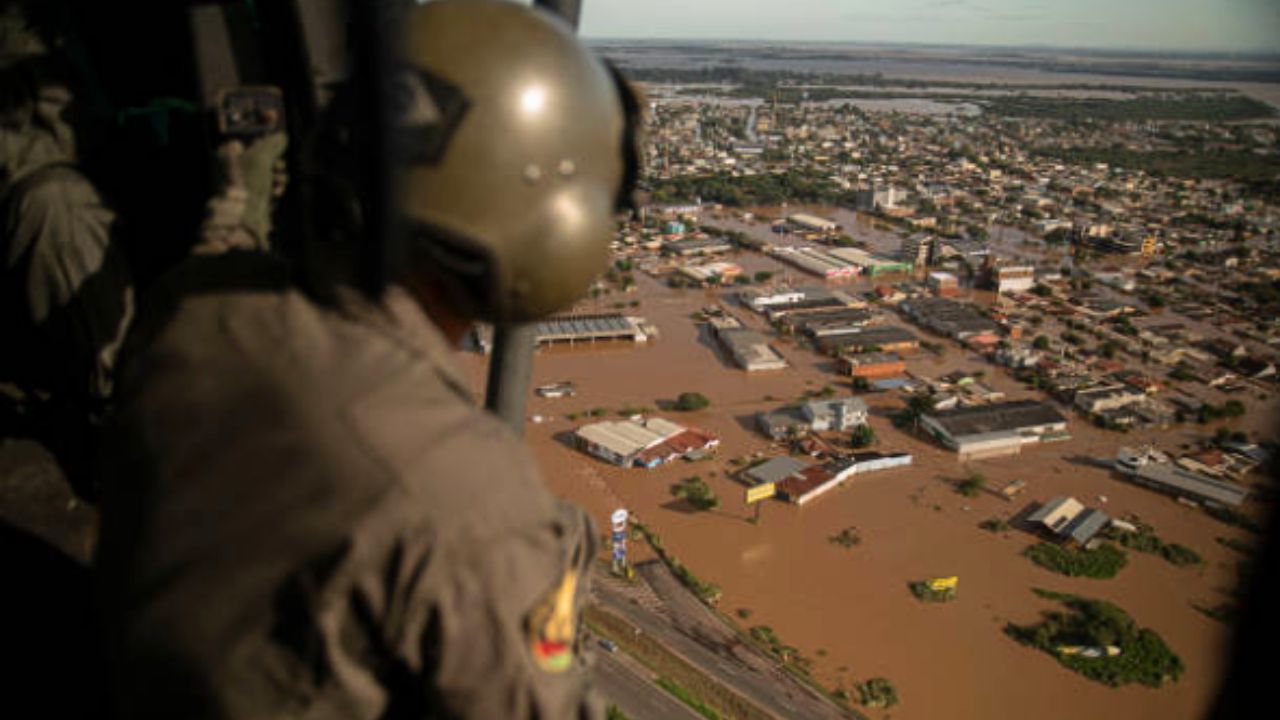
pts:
[429, 110]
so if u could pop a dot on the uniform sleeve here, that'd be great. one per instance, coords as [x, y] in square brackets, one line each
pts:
[502, 635]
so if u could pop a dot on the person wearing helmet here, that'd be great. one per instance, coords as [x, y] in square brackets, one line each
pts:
[306, 512]
[66, 292]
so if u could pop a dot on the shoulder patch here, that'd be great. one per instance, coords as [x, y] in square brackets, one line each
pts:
[552, 624]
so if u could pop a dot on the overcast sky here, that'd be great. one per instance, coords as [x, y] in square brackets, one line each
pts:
[1191, 25]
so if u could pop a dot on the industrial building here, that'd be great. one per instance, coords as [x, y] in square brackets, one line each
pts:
[874, 365]
[948, 317]
[642, 443]
[995, 430]
[832, 322]
[780, 302]
[870, 265]
[943, 284]
[761, 299]
[711, 273]
[750, 350]
[1066, 519]
[1107, 397]
[1006, 279]
[699, 246]
[812, 223]
[889, 338]
[575, 329]
[590, 328]
[1150, 469]
[816, 261]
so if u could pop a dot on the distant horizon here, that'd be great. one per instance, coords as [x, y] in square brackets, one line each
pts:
[1220, 27]
[1259, 54]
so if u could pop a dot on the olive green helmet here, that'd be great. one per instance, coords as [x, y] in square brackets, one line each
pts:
[520, 146]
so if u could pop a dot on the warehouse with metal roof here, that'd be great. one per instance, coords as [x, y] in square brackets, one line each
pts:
[589, 328]
[996, 429]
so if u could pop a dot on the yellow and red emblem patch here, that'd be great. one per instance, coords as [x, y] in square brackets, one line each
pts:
[552, 625]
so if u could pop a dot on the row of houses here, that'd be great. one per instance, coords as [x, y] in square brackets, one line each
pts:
[1152, 469]
[642, 442]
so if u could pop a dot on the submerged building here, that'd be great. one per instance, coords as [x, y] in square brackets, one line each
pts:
[997, 429]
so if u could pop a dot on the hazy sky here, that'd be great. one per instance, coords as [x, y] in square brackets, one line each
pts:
[1249, 25]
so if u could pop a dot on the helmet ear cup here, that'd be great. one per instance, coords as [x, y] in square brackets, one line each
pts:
[464, 269]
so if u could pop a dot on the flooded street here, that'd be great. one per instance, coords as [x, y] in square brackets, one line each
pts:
[849, 610]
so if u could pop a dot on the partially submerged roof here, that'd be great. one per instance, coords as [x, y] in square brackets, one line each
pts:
[998, 417]
[775, 469]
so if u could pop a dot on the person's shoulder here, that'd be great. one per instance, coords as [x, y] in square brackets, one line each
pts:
[53, 187]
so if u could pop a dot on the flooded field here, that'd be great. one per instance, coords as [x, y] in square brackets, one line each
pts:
[849, 610]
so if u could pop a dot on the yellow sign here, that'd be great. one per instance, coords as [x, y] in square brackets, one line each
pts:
[760, 492]
[941, 584]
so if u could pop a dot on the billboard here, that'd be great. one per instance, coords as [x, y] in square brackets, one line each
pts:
[763, 491]
[618, 524]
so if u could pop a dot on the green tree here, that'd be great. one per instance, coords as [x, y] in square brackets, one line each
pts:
[1040, 343]
[972, 485]
[689, 401]
[863, 436]
[763, 276]
[697, 493]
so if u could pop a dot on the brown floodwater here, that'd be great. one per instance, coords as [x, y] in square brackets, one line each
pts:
[849, 610]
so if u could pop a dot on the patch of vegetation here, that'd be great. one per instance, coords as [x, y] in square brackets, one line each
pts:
[1102, 563]
[615, 713]
[1243, 547]
[995, 525]
[861, 384]
[666, 664]
[1145, 540]
[1225, 613]
[629, 411]
[972, 485]
[1144, 658]
[1237, 164]
[696, 492]
[846, 538]
[708, 593]
[923, 592]
[788, 655]
[687, 698]
[863, 436]
[877, 693]
[1234, 518]
[744, 613]
[689, 401]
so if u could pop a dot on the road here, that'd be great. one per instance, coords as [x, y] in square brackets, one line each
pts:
[626, 684]
[678, 620]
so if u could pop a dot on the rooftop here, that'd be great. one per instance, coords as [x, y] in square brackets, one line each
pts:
[999, 417]
[774, 470]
